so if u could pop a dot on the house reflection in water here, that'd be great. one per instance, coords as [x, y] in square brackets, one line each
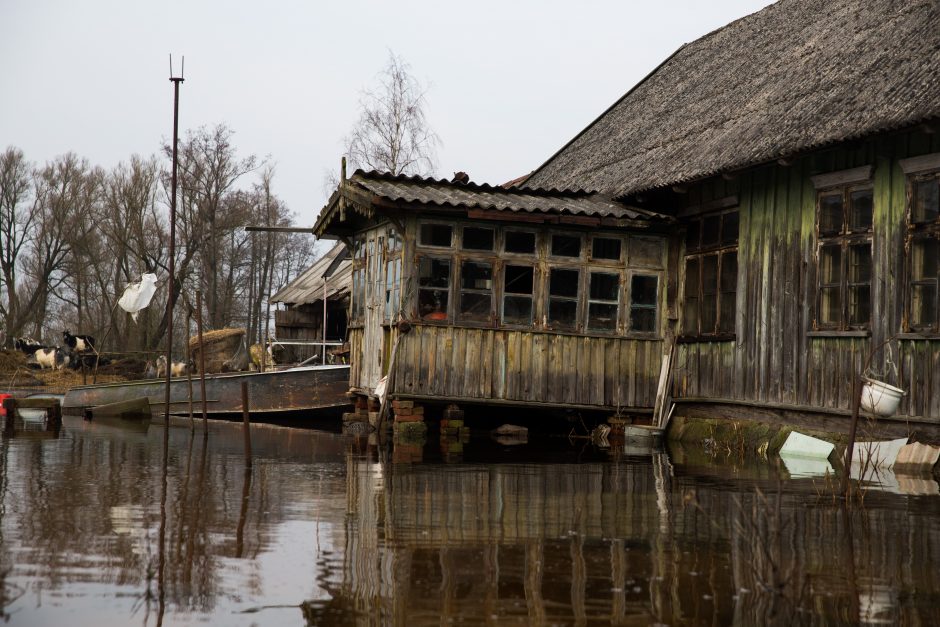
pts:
[623, 542]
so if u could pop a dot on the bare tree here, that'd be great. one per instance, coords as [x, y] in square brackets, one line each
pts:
[392, 133]
[17, 218]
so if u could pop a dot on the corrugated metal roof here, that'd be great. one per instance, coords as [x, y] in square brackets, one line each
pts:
[443, 193]
[308, 287]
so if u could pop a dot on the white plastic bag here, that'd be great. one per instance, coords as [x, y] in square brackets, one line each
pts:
[137, 296]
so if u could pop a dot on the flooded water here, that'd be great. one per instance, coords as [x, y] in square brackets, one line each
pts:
[326, 529]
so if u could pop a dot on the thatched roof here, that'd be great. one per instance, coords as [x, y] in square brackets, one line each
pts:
[795, 76]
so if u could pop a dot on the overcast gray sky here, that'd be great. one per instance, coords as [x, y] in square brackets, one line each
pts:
[509, 82]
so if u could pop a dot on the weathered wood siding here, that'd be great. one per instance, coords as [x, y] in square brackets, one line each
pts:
[456, 362]
[774, 358]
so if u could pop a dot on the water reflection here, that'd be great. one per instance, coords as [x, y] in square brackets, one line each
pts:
[95, 530]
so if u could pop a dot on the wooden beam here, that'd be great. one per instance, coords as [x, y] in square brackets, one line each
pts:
[279, 229]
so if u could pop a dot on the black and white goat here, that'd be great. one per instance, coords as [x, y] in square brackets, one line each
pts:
[26, 345]
[55, 358]
[177, 368]
[78, 343]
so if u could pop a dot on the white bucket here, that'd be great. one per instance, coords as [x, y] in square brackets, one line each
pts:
[880, 398]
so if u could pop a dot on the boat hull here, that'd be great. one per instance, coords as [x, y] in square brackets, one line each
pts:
[296, 389]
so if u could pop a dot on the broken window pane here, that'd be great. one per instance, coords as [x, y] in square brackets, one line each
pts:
[859, 304]
[860, 263]
[517, 310]
[924, 305]
[605, 248]
[475, 238]
[830, 306]
[436, 235]
[924, 257]
[394, 241]
[830, 214]
[926, 201]
[519, 279]
[392, 287]
[566, 245]
[476, 291]
[710, 229]
[604, 286]
[709, 314]
[518, 282]
[690, 311]
[861, 213]
[728, 284]
[645, 252]
[924, 268]
[433, 288]
[520, 242]
[830, 264]
[692, 236]
[563, 298]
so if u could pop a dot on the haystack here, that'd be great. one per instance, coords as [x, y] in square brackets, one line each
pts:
[220, 345]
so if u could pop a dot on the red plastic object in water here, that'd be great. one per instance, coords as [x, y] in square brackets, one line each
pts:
[3, 397]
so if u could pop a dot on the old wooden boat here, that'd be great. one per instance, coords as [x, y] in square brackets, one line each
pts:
[294, 389]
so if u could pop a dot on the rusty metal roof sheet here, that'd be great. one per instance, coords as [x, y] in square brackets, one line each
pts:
[308, 286]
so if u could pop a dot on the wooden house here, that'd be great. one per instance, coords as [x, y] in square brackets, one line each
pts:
[321, 291]
[473, 293]
[775, 183]
[799, 148]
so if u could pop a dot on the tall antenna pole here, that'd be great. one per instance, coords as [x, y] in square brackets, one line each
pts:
[171, 301]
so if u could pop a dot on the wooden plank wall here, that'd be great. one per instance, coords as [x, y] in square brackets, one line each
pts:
[510, 365]
[773, 359]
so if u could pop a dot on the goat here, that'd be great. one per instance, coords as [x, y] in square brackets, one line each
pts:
[78, 360]
[150, 370]
[27, 345]
[78, 343]
[54, 358]
[177, 368]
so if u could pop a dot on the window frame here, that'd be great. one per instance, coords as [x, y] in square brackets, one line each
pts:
[722, 250]
[846, 238]
[919, 170]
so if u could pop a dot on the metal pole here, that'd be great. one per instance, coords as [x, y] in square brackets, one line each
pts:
[324, 320]
[189, 373]
[171, 300]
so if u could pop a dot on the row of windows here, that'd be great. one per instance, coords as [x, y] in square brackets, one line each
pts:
[505, 292]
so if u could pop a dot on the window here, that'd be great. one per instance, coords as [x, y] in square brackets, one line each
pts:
[644, 291]
[843, 257]
[436, 235]
[476, 291]
[433, 288]
[566, 245]
[605, 248]
[563, 298]
[475, 238]
[518, 285]
[392, 288]
[711, 276]
[603, 301]
[520, 242]
[924, 245]
[358, 281]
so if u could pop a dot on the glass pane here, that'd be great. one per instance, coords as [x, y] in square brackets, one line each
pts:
[861, 214]
[566, 245]
[690, 311]
[692, 235]
[642, 319]
[729, 229]
[519, 280]
[728, 302]
[926, 201]
[604, 286]
[520, 242]
[563, 282]
[711, 226]
[394, 241]
[643, 289]
[476, 276]
[646, 252]
[830, 264]
[435, 235]
[692, 278]
[605, 248]
[924, 258]
[433, 284]
[475, 238]
[517, 310]
[860, 263]
[709, 313]
[729, 272]
[475, 307]
[709, 274]
[830, 307]
[562, 313]
[830, 214]
[859, 304]
[602, 317]
[924, 305]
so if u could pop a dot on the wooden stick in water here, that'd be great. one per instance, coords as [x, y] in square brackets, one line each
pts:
[246, 419]
[202, 362]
